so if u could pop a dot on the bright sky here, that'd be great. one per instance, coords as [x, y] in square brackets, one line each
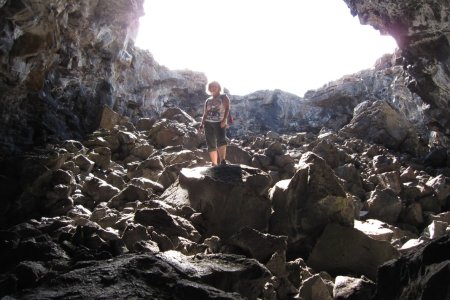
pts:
[250, 45]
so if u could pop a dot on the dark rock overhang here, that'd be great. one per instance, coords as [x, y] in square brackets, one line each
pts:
[422, 31]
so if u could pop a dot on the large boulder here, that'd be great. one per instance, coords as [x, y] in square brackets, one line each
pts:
[352, 180]
[330, 153]
[172, 133]
[129, 194]
[229, 273]
[179, 115]
[344, 250]
[350, 288]
[314, 288]
[165, 223]
[305, 204]
[169, 275]
[441, 185]
[382, 124]
[258, 245]
[99, 190]
[228, 197]
[384, 205]
[237, 155]
[421, 273]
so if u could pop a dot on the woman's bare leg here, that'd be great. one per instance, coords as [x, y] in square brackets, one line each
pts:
[222, 152]
[213, 156]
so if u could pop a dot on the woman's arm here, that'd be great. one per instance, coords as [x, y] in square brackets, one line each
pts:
[226, 104]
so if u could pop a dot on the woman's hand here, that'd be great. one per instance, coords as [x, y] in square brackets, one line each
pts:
[223, 123]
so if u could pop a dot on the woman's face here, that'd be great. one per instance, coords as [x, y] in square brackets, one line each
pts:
[214, 89]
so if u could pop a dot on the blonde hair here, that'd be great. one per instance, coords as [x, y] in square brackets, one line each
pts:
[214, 83]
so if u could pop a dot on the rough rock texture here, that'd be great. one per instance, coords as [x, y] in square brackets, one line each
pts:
[165, 276]
[422, 31]
[305, 204]
[385, 126]
[229, 198]
[75, 204]
[61, 62]
[341, 249]
[422, 273]
[350, 288]
[257, 245]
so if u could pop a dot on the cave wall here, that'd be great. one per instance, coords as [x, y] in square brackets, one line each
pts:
[62, 61]
[422, 31]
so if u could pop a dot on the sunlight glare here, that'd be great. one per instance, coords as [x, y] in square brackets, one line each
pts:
[292, 45]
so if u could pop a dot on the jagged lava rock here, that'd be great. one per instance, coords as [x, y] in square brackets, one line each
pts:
[421, 29]
[306, 203]
[342, 250]
[378, 122]
[421, 273]
[170, 275]
[228, 197]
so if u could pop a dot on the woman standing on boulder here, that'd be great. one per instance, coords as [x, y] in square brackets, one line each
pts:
[214, 121]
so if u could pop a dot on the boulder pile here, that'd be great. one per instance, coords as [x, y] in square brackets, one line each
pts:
[137, 211]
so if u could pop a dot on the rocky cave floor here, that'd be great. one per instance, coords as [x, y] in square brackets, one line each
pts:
[109, 217]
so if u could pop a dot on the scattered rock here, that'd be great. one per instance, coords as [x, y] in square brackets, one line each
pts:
[230, 198]
[305, 204]
[382, 124]
[258, 245]
[384, 205]
[421, 273]
[314, 288]
[350, 288]
[344, 250]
